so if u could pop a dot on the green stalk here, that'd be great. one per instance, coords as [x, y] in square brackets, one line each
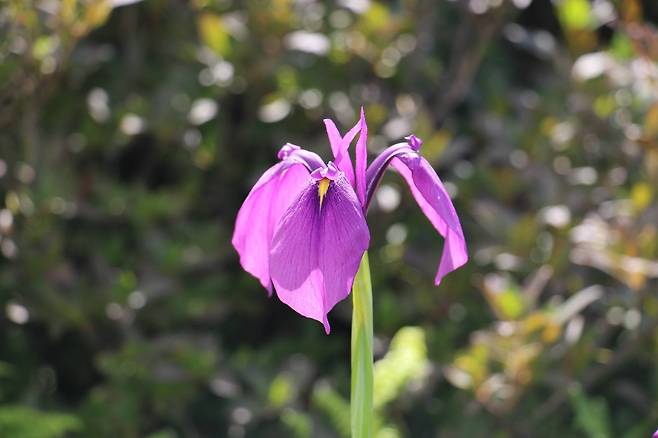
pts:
[361, 410]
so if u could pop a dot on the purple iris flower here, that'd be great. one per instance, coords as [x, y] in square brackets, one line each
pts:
[302, 229]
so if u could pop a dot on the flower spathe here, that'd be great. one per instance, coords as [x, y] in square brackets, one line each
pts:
[302, 228]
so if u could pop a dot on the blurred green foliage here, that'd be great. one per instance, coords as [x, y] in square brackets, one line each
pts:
[24, 422]
[131, 131]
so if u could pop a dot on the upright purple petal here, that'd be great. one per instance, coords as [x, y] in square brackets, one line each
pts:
[340, 148]
[361, 159]
[317, 248]
[335, 139]
[261, 211]
[431, 196]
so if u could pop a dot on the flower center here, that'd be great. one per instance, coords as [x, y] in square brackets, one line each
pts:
[324, 176]
[323, 186]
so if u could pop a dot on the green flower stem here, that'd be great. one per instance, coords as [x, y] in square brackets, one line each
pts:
[361, 409]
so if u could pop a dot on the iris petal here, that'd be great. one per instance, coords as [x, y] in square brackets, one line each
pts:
[433, 200]
[361, 159]
[340, 148]
[316, 250]
[429, 193]
[261, 211]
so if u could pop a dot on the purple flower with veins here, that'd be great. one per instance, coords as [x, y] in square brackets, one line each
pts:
[302, 228]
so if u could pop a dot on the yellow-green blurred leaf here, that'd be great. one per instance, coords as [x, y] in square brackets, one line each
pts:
[575, 14]
[436, 144]
[405, 360]
[376, 17]
[96, 13]
[641, 195]
[213, 33]
[299, 423]
[504, 296]
[510, 304]
[621, 46]
[43, 46]
[604, 106]
[67, 11]
[19, 421]
[280, 391]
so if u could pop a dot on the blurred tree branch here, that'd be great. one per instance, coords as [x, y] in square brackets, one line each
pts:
[473, 36]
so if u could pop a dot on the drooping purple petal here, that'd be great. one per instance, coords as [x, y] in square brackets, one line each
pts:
[317, 248]
[264, 206]
[429, 193]
[431, 196]
[361, 159]
[340, 148]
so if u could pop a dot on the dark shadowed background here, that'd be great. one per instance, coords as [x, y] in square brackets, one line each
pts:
[131, 132]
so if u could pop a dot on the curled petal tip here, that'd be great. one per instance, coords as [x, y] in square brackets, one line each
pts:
[414, 142]
[286, 150]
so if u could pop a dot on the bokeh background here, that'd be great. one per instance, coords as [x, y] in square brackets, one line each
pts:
[131, 131]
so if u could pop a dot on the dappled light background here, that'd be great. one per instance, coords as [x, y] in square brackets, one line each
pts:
[131, 132]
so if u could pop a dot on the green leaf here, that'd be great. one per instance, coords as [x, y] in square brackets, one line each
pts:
[164, 434]
[214, 34]
[621, 46]
[334, 406]
[299, 423]
[591, 414]
[575, 14]
[406, 360]
[24, 422]
[280, 392]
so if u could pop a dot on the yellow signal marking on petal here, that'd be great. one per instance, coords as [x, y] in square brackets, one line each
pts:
[323, 186]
